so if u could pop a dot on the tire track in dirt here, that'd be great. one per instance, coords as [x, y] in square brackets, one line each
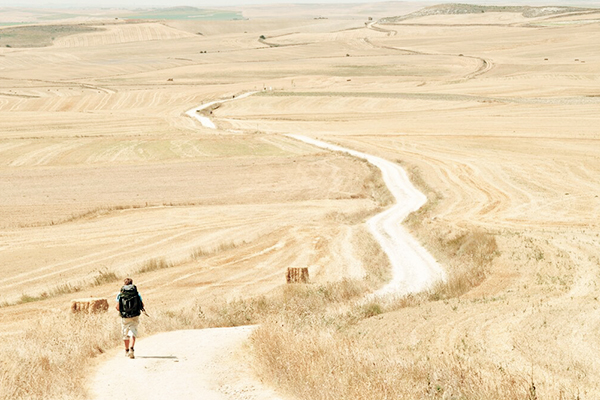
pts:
[389, 32]
[486, 65]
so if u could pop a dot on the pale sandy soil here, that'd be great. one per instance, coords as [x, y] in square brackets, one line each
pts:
[208, 364]
[500, 120]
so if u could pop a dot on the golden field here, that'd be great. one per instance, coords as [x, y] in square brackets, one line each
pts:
[494, 115]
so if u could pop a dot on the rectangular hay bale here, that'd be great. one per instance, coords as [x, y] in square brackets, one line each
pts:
[297, 275]
[89, 306]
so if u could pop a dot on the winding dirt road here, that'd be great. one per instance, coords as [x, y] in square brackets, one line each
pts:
[203, 363]
[413, 268]
[206, 121]
[485, 65]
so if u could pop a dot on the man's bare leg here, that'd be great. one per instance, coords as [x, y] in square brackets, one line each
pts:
[131, 351]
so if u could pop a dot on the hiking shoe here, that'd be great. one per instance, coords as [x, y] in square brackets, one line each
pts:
[131, 355]
[127, 353]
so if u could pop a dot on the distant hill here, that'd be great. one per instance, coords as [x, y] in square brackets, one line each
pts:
[20, 16]
[457, 8]
[185, 13]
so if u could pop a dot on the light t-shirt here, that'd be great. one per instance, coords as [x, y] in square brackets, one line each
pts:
[119, 295]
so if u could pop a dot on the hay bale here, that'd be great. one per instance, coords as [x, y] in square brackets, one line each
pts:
[89, 306]
[297, 275]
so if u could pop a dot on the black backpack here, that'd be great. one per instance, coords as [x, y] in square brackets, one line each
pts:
[130, 304]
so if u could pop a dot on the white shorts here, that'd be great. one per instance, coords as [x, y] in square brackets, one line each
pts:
[129, 327]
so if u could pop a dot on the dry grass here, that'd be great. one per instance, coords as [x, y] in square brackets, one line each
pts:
[103, 211]
[372, 256]
[59, 290]
[434, 197]
[201, 252]
[301, 343]
[376, 187]
[467, 253]
[323, 365]
[308, 352]
[309, 302]
[472, 253]
[102, 277]
[154, 264]
[304, 348]
[59, 346]
[48, 364]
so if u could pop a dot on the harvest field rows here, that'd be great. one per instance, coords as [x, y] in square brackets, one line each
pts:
[494, 116]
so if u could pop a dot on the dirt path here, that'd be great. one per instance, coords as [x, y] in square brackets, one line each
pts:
[203, 364]
[208, 363]
[485, 65]
[413, 268]
[206, 121]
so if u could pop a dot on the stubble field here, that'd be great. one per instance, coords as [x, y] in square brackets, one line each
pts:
[494, 115]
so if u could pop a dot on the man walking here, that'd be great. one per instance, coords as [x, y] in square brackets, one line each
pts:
[130, 306]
